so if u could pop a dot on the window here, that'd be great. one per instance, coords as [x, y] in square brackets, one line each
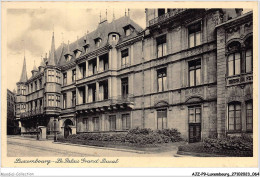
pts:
[162, 79]
[249, 116]
[82, 69]
[161, 119]
[57, 76]
[73, 75]
[40, 83]
[32, 87]
[51, 75]
[77, 53]
[194, 34]
[128, 32]
[73, 99]
[67, 57]
[103, 63]
[128, 29]
[98, 42]
[92, 67]
[161, 12]
[125, 121]
[194, 72]
[86, 125]
[92, 93]
[234, 117]
[23, 90]
[124, 85]
[57, 101]
[96, 123]
[249, 61]
[18, 90]
[161, 46]
[64, 78]
[234, 61]
[194, 114]
[35, 83]
[124, 58]
[86, 47]
[64, 101]
[112, 123]
[50, 100]
[113, 37]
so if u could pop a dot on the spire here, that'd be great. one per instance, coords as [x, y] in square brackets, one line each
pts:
[125, 12]
[24, 72]
[113, 15]
[52, 56]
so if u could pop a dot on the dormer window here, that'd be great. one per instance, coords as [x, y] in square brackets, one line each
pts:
[128, 29]
[86, 47]
[77, 53]
[98, 42]
[68, 57]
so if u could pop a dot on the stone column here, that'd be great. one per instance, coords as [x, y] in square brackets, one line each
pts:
[97, 91]
[97, 64]
[77, 96]
[77, 72]
[110, 59]
[109, 87]
[87, 68]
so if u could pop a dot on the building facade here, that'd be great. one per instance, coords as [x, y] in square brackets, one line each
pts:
[12, 124]
[175, 73]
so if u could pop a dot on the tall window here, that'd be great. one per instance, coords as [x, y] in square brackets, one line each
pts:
[57, 76]
[234, 116]
[64, 101]
[35, 83]
[31, 87]
[161, 46]
[23, 90]
[162, 79]
[194, 114]
[161, 119]
[126, 121]
[124, 58]
[96, 123]
[194, 34]
[50, 100]
[40, 83]
[249, 116]
[51, 75]
[73, 75]
[194, 72]
[85, 121]
[161, 12]
[57, 101]
[124, 85]
[64, 78]
[98, 42]
[234, 61]
[112, 123]
[249, 60]
[73, 99]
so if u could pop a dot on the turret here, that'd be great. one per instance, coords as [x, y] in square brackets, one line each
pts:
[34, 71]
[52, 57]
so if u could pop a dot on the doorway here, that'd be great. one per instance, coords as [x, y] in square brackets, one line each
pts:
[194, 132]
[67, 129]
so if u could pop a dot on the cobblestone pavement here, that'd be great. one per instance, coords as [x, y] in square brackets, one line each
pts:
[27, 147]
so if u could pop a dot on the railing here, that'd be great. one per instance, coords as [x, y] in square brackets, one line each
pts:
[32, 113]
[121, 99]
[166, 16]
[240, 79]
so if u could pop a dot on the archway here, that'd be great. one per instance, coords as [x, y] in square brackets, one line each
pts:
[67, 129]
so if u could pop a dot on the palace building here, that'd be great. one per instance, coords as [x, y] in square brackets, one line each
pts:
[189, 69]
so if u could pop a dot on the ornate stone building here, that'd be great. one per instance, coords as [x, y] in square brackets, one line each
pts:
[12, 124]
[172, 74]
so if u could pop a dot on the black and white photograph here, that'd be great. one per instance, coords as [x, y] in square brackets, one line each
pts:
[129, 82]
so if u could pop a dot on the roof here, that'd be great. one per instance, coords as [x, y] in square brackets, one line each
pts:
[23, 77]
[102, 32]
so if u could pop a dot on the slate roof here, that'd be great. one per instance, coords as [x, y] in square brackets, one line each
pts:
[102, 32]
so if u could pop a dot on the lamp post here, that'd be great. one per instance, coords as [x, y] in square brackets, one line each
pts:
[55, 132]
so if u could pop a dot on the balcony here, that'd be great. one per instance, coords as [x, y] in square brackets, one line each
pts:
[94, 77]
[239, 79]
[113, 103]
[165, 17]
[32, 113]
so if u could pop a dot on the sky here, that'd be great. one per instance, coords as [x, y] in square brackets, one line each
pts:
[29, 32]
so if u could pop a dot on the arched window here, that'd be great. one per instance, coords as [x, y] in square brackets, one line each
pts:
[234, 116]
[249, 55]
[234, 59]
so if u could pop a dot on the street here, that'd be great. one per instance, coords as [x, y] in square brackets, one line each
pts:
[27, 147]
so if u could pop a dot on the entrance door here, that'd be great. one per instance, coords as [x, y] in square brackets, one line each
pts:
[194, 132]
[67, 129]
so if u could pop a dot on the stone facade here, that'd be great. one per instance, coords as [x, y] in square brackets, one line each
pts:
[172, 74]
